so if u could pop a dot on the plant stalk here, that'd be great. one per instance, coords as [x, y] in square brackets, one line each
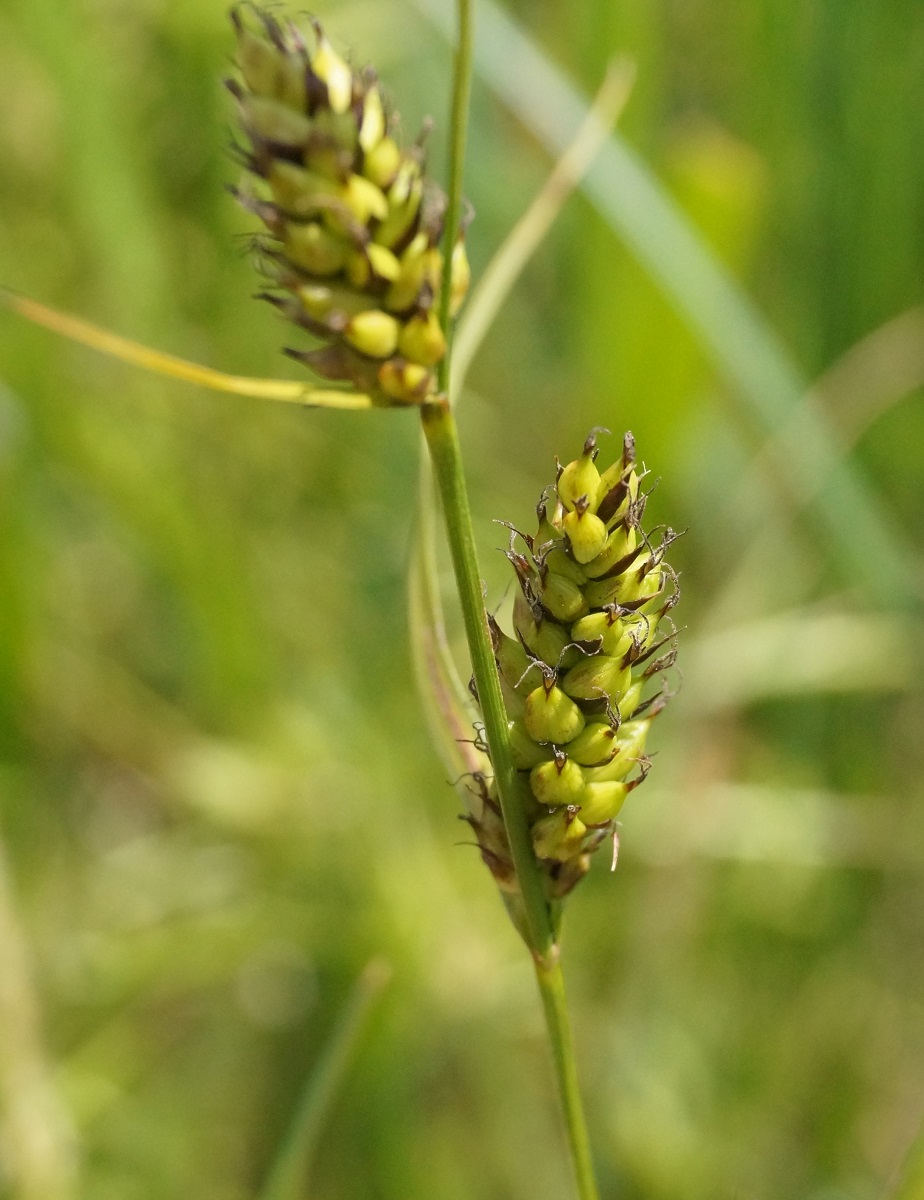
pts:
[458, 128]
[440, 430]
[442, 439]
[551, 980]
[439, 427]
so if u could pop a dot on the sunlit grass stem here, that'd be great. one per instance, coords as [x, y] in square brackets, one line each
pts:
[440, 429]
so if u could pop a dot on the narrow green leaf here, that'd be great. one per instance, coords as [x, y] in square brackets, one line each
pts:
[288, 1177]
[766, 381]
[873, 376]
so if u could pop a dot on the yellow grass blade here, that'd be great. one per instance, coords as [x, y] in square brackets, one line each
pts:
[287, 390]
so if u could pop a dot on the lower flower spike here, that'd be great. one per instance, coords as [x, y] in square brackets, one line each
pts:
[591, 632]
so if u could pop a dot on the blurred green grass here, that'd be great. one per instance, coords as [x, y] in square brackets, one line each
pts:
[218, 800]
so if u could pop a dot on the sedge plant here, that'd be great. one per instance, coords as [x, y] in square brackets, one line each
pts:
[363, 252]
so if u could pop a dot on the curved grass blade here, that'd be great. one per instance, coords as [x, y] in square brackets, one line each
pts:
[863, 540]
[39, 1142]
[288, 1177]
[111, 344]
[861, 385]
[869, 379]
[448, 707]
[874, 375]
[524, 239]
[911, 1185]
[801, 652]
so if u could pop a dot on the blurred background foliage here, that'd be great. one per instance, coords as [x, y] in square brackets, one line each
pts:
[218, 800]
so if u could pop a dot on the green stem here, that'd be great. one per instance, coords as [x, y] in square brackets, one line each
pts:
[442, 436]
[458, 127]
[552, 989]
[442, 439]
[439, 427]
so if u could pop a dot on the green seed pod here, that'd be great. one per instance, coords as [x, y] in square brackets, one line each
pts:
[619, 485]
[268, 72]
[640, 583]
[333, 146]
[596, 678]
[595, 745]
[603, 592]
[602, 630]
[461, 277]
[601, 802]
[373, 332]
[579, 479]
[521, 673]
[314, 248]
[358, 269]
[276, 122]
[405, 382]
[546, 640]
[630, 747]
[615, 635]
[594, 627]
[563, 599]
[619, 768]
[372, 264]
[586, 533]
[558, 782]
[404, 197]
[421, 339]
[373, 126]
[384, 264]
[302, 193]
[621, 541]
[525, 752]
[420, 266]
[631, 700]
[364, 200]
[330, 68]
[639, 635]
[561, 563]
[550, 716]
[331, 304]
[381, 163]
[558, 836]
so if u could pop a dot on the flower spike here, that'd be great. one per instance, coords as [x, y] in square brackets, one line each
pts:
[352, 226]
[591, 627]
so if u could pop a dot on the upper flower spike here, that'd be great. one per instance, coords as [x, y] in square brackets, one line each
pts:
[353, 226]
